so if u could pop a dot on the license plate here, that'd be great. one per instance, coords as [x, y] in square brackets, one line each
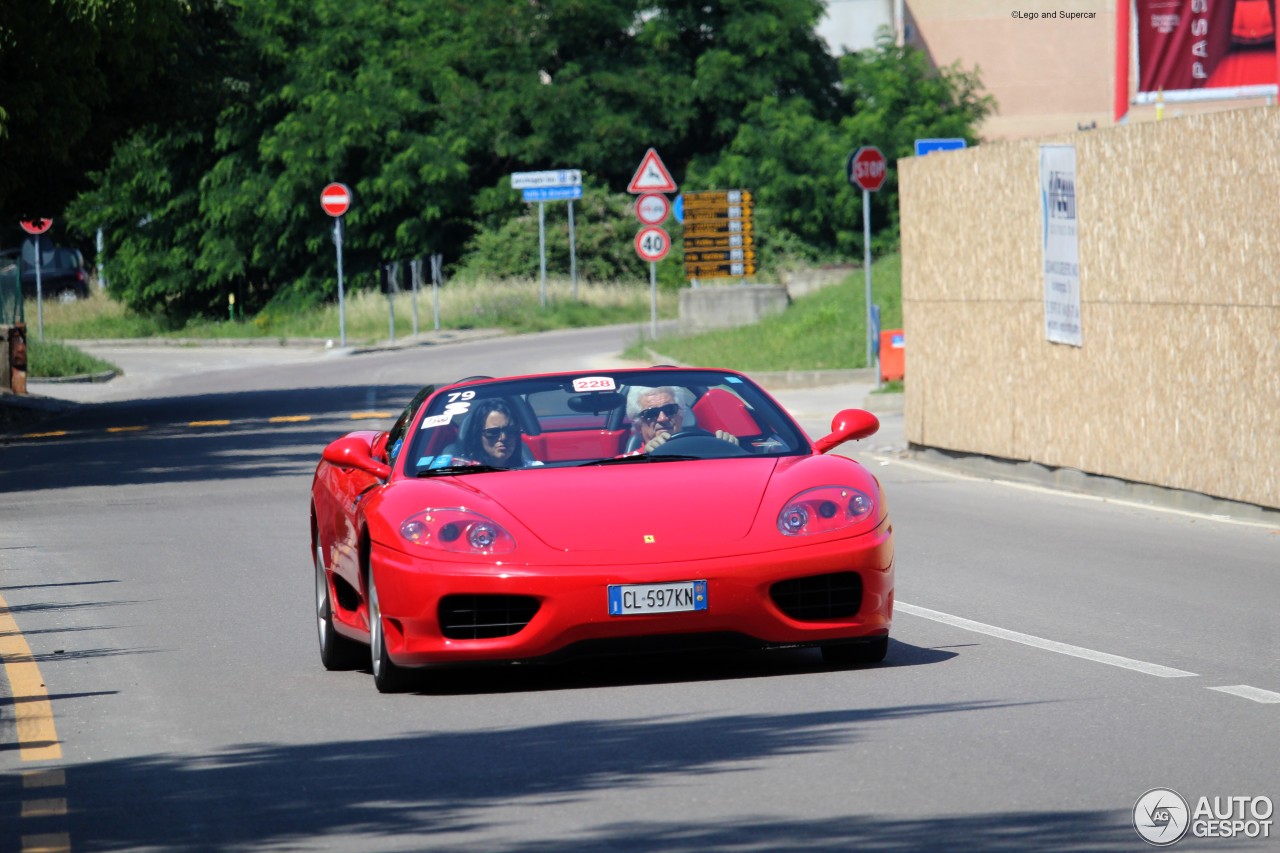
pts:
[628, 599]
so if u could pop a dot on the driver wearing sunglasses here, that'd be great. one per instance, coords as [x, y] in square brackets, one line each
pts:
[656, 415]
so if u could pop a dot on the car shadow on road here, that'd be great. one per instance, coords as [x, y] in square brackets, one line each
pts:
[457, 790]
[644, 669]
[184, 439]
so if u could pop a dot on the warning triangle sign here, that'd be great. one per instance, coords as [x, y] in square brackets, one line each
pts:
[652, 176]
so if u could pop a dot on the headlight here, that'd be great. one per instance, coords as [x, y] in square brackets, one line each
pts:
[458, 530]
[825, 509]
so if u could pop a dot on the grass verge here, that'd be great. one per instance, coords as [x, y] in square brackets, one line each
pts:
[825, 330]
[50, 360]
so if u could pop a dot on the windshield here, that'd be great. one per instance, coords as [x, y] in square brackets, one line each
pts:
[598, 418]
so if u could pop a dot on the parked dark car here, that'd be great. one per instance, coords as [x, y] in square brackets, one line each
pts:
[62, 272]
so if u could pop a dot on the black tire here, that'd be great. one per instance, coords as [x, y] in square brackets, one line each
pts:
[387, 677]
[336, 651]
[856, 654]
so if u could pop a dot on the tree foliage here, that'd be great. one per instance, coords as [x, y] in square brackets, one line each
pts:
[77, 76]
[425, 108]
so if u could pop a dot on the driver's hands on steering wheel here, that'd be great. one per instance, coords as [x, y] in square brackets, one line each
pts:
[662, 437]
[727, 436]
[655, 442]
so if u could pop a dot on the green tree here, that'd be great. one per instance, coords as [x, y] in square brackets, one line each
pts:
[425, 108]
[895, 97]
[77, 76]
[793, 156]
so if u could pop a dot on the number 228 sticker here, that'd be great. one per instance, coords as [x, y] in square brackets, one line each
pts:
[594, 383]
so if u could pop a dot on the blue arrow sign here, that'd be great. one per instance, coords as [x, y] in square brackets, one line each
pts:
[924, 146]
[552, 193]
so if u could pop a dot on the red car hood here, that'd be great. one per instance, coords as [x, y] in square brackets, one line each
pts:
[629, 507]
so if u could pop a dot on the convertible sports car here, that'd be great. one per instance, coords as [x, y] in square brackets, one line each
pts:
[534, 517]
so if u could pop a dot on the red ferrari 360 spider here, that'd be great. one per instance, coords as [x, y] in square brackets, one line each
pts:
[527, 518]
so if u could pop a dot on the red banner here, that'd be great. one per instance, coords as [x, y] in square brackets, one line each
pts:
[1205, 48]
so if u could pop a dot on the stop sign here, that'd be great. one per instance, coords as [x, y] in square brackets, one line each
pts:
[335, 199]
[867, 168]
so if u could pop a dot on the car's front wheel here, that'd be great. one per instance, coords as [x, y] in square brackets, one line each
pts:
[387, 677]
[855, 654]
[336, 651]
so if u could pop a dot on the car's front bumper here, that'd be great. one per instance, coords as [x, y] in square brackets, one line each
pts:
[573, 610]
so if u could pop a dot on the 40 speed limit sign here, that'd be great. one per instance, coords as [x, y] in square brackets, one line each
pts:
[652, 244]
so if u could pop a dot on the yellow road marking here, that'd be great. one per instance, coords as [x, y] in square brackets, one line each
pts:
[279, 419]
[44, 778]
[33, 714]
[51, 807]
[56, 842]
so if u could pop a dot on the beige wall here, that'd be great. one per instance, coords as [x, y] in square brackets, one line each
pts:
[1178, 381]
[1047, 75]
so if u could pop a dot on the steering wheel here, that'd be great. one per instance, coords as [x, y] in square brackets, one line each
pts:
[697, 442]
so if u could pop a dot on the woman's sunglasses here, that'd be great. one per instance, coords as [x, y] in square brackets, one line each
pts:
[491, 434]
[651, 415]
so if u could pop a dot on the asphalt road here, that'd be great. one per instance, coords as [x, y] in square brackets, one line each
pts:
[1054, 657]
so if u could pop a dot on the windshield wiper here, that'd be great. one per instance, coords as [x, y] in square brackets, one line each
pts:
[641, 457]
[459, 469]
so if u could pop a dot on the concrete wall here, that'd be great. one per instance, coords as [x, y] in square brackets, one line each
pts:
[725, 306]
[1178, 381]
[802, 282]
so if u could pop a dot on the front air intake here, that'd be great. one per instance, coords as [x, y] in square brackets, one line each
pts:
[820, 597]
[483, 617]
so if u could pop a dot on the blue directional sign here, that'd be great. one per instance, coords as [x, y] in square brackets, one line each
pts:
[677, 209]
[924, 146]
[552, 193]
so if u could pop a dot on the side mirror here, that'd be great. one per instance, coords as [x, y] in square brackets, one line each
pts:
[354, 450]
[848, 425]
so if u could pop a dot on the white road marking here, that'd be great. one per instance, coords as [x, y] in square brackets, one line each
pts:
[1254, 693]
[1041, 643]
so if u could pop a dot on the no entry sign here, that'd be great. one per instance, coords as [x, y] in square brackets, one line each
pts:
[335, 199]
[867, 168]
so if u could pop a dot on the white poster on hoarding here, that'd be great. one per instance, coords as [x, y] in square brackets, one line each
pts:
[1061, 244]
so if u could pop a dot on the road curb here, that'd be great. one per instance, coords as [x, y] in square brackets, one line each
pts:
[1095, 485]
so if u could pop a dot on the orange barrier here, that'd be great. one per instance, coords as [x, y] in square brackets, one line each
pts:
[893, 355]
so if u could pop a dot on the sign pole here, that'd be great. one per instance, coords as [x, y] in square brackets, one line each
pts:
[342, 314]
[866, 263]
[542, 252]
[39, 295]
[653, 300]
[436, 263]
[573, 254]
[335, 199]
[393, 284]
[415, 270]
